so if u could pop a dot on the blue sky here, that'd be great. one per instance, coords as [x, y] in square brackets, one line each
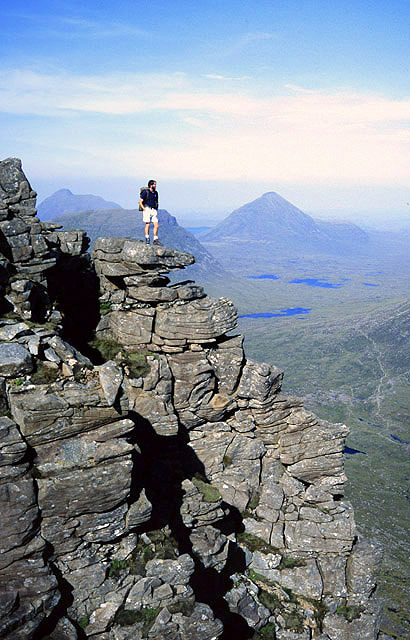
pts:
[218, 101]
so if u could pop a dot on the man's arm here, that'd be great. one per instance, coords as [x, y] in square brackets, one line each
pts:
[141, 204]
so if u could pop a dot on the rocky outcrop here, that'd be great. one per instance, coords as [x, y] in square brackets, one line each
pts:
[163, 485]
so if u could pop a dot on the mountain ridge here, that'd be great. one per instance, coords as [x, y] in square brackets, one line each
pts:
[65, 201]
[127, 223]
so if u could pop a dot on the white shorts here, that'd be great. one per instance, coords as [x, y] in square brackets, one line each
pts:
[149, 215]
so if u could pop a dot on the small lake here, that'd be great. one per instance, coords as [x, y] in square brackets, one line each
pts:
[352, 452]
[283, 313]
[317, 282]
[372, 424]
[397, 439]
[265, 276]
[369, 284]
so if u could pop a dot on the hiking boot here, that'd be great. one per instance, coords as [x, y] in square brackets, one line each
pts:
[146, 240]
[157, 242]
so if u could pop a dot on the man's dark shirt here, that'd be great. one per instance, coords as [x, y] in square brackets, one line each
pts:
[150, 199]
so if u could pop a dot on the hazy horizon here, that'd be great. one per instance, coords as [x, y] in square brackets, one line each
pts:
[200, 203]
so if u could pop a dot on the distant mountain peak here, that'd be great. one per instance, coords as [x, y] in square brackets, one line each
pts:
[281, 227]
[64, 201]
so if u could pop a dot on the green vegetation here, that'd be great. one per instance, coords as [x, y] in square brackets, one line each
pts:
[293, 620]
[291, 563]
[44, 375]
[105, 307]
[269, 600]
[320, 610]
[258, 577]
[16, 382]
[350, 612]
[209, 492]
[253, 543]
[135, 364]
[161, 547]
[11, 315]
[266, 633]
[146, 617]
[108, 349]
[117, 568]
[254, 501]
[84, 622]
[186, 607]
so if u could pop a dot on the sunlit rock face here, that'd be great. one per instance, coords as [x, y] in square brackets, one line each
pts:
[154, 482]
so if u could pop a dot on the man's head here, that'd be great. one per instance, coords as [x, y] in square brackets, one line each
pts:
[152, 184]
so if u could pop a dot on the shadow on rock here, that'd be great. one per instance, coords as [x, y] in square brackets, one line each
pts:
[167, 462]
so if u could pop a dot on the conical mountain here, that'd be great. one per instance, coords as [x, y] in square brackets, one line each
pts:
[266, 216]
[64, 201]
[271, 227]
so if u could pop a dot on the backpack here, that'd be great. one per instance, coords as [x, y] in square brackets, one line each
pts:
[142, 197]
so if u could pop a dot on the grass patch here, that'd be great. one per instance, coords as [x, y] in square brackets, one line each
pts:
[11, 315]
[105, 307]
[266, 633]
[321, 609]
[162, 547]
[186, 607]
[350, 612]
[108, 349]
[117, 567]
[127, 617]
[259, 577]
[135, 364]
[269, 600]
[249, 512]
[254, 501]
[291, 563]
[83, 622]
[44, 375]
[293, 620]
[16, 382]
[209, 492]
[253, 543]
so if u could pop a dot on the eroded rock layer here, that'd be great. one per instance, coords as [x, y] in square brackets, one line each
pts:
[154, 482]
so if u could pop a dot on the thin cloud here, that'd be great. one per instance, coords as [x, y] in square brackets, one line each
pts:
[191, 130]
[77, 28]
[297, 89]
[81, 28]
[215, 76]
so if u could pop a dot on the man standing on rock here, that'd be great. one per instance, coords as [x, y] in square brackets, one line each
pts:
[149, 206]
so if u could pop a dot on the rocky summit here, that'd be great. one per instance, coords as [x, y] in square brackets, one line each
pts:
[155, 483]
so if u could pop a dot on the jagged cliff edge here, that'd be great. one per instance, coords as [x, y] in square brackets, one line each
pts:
[183, 498]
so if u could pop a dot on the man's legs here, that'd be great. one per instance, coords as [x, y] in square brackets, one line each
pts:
[156, 227]
[147, 229]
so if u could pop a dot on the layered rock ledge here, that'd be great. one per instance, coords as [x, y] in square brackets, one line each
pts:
[166, 489]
